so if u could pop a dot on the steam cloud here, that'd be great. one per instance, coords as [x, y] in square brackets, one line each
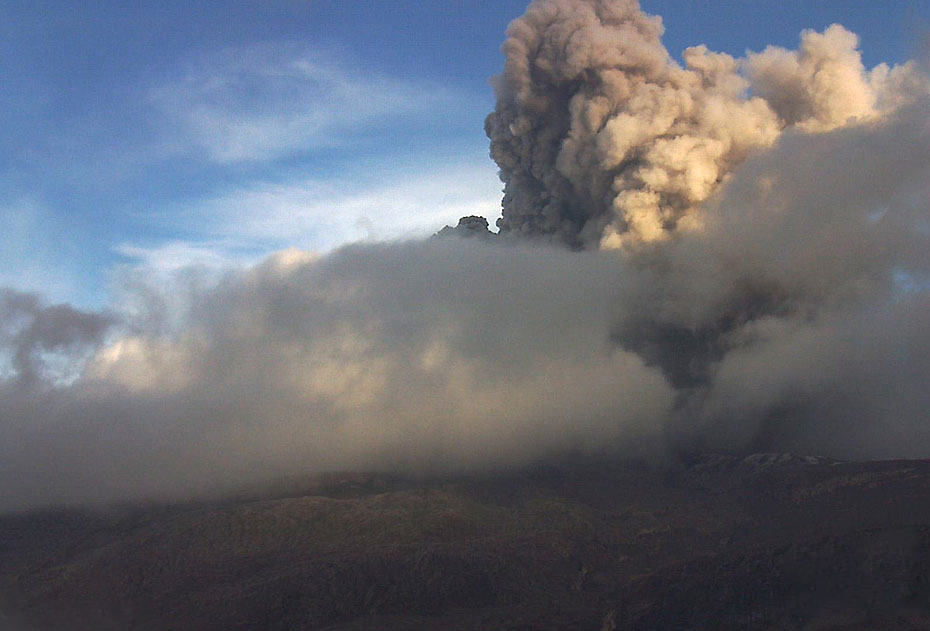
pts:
[752, 275]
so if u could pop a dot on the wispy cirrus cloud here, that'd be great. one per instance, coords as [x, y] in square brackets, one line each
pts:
[327, 213]
[244, 224]
[274, 100]
[174, 255]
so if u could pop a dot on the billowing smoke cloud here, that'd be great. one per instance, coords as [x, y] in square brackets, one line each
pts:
[770, 291]
[422, 356]
[799, 317]
[603, 139]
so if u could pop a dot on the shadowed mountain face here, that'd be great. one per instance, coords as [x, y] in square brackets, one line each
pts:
[764, 542]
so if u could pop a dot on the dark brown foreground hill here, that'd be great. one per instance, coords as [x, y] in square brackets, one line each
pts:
[765, 542]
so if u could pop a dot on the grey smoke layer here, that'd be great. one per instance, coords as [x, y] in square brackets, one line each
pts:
[792, 313]
[419, 356]
[32, 334]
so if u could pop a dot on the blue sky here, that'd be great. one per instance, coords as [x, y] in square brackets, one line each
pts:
[173, 132]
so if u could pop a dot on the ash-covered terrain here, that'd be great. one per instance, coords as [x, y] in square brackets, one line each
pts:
[761, 542]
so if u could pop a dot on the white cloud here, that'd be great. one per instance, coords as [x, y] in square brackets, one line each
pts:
[269, 101]
[173, 256]
[242, 225]
[322, 215]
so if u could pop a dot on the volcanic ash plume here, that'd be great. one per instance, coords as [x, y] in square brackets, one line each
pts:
[771, 292]
[604, 140]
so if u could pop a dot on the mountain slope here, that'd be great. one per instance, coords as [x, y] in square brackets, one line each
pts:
[764, 542]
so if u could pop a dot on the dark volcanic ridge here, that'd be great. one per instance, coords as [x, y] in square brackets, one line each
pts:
[769, 541]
